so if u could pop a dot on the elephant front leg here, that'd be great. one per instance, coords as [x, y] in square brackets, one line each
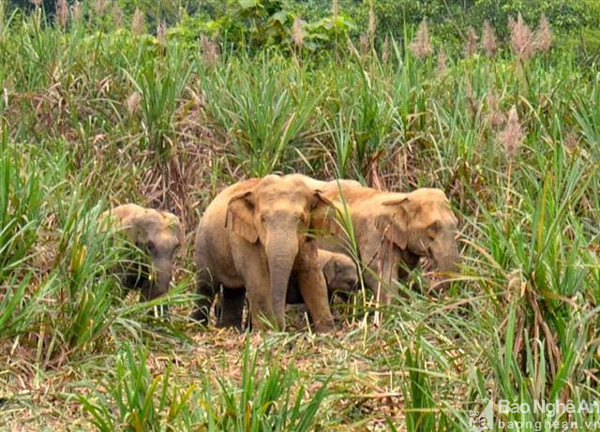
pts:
[259, 299]
[385, 284]
[313, 288]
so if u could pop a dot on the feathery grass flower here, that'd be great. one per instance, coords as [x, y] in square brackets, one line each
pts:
[77, 12]
[62, 13]
[138, 23]
[133, 103]
[489, 39]
[521, 38]
[298, 32]
[210, 51]
[420, 46]
[117, 14]
[543, 36]
[512, 136]
[161, 30]
[471, 43]
[442, 60]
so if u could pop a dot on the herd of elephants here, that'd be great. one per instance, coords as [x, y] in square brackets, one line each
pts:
[289, 239]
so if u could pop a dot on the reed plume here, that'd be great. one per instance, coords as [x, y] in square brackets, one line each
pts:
[543, 36]
[62, 13]
[138, 23]
[471, 43]
[489, 39]
[521, 38]
[420, 46]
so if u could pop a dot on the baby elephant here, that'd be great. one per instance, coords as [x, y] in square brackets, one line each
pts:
[156, 233]
[341, 276]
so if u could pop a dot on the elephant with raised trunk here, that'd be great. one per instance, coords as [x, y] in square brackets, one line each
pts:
[158, 234]
[254, 235]
[393, 231]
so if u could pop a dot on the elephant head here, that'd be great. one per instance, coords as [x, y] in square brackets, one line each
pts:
[156, 233]
[421, 223]
[276, 213]
[340, 272]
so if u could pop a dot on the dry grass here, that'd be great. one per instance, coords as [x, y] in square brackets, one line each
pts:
[85, 118]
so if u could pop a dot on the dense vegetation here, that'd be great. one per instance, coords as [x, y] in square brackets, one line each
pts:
[96, 111]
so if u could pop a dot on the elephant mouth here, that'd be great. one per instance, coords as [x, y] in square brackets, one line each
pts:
[427, 263]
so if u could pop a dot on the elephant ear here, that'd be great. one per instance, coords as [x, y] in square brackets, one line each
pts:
[394, 224]
[135, 228]
[174, 224]
[330, 269]
[240, 216]
[107, 222]
[319, 205]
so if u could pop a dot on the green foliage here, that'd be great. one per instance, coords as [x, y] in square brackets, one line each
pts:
[258, 23]
[160, 83]
[261, 401]
[262, 133]
[520, 322]
[564, 15]
[21, 200]
[449, 20]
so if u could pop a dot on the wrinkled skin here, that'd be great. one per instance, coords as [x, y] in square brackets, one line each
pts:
[158, 234]
[394, 230]
[254, 236]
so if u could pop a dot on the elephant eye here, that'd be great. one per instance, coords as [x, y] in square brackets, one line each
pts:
[433, 229]
[151, 247]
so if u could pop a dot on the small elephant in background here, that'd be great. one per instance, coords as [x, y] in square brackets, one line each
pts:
[156, 233]
[341, 276]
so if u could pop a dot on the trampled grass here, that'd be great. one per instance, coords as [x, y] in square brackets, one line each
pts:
[520, 321]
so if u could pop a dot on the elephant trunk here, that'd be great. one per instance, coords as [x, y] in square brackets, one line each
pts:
[281, 249]
[445, 256]
[163, 271]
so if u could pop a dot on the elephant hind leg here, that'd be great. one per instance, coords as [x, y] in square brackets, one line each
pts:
[232, 308]
[206, 288]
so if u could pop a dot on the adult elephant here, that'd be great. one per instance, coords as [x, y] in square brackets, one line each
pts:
[254, 235]
[392, 231]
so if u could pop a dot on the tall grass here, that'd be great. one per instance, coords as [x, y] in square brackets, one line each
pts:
[261, 401]
[264, 110]
[21, 200]
[520, 322]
